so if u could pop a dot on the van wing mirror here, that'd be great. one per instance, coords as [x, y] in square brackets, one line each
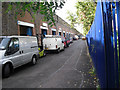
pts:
[62, 41]
[2, 47]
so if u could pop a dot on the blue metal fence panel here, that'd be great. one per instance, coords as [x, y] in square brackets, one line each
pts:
[115, 43]
[118, 25]
[95, 41]
[109, 51]
[102, 43]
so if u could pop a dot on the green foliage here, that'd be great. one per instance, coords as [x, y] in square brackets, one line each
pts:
[84, 15]
[92, 71]
[45, 8]
[72, 18]
[86, 12]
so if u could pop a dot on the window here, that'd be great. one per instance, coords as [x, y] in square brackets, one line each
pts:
[64, 34]
[4, 43]
[44, 31]
[53, 32]
[59, 33]
[13, 46]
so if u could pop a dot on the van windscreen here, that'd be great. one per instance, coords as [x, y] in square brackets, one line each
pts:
[4, 42]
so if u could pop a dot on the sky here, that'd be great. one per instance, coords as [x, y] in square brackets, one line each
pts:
[69, 6]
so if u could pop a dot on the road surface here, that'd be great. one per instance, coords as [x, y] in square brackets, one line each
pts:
[68, 69]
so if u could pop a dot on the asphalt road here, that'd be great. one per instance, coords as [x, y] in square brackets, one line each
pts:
[68, 69]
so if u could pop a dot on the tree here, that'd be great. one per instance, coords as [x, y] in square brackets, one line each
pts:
[85, 14]
[72, 18]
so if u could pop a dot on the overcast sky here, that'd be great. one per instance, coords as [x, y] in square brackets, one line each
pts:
[68, 6]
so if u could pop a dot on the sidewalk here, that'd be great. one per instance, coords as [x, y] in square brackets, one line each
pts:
[85, 66]
[75, 72]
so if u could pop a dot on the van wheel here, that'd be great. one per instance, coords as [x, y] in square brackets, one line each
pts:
[63, 49]
[6, 71]
[58, 50]
[34, 60]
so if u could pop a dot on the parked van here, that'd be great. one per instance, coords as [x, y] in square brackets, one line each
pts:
[16, 51]
[53, 42]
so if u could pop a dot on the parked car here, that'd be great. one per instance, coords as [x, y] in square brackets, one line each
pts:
[79, 36]
[71, 39]
[83, 38]
[67, 40]
[63, 40]
[16, 51]
[53, 43]
[75, 37]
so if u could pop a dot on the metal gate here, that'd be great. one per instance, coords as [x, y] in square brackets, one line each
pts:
[104, 43]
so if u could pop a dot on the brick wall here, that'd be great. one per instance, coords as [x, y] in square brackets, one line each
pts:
[10, 26]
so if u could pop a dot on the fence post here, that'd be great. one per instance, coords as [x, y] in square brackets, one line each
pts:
[115, 42]
[118, 21]
[109, 51]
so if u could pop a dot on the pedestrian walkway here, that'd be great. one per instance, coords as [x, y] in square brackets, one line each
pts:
[75, 71]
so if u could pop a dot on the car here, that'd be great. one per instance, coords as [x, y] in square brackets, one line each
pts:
[83, 38]
[16, 51]
[78, 36]
[63, 40]
[75, 37]
[67, 40]
[71, 39]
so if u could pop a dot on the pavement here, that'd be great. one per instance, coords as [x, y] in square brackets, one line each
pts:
[68, 69]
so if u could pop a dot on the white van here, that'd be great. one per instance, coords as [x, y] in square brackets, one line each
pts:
[16, 51]
[53, 42]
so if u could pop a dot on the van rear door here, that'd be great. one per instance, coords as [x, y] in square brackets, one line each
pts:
[49, 43]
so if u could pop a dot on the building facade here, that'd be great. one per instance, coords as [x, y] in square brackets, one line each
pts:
[25, 26]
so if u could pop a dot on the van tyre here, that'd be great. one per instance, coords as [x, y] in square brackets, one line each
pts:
[6, 71]
[63, 48]
[34, 60]
[58, 50]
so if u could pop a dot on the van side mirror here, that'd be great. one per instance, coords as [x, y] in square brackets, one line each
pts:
[62, 41]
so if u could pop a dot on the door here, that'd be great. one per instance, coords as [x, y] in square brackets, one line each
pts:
[44, 32]
[61, 44]
[59, 33]
[53, 32]
[12, 52]
[26, 49]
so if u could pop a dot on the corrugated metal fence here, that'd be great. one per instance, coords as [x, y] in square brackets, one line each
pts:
[104, 42]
